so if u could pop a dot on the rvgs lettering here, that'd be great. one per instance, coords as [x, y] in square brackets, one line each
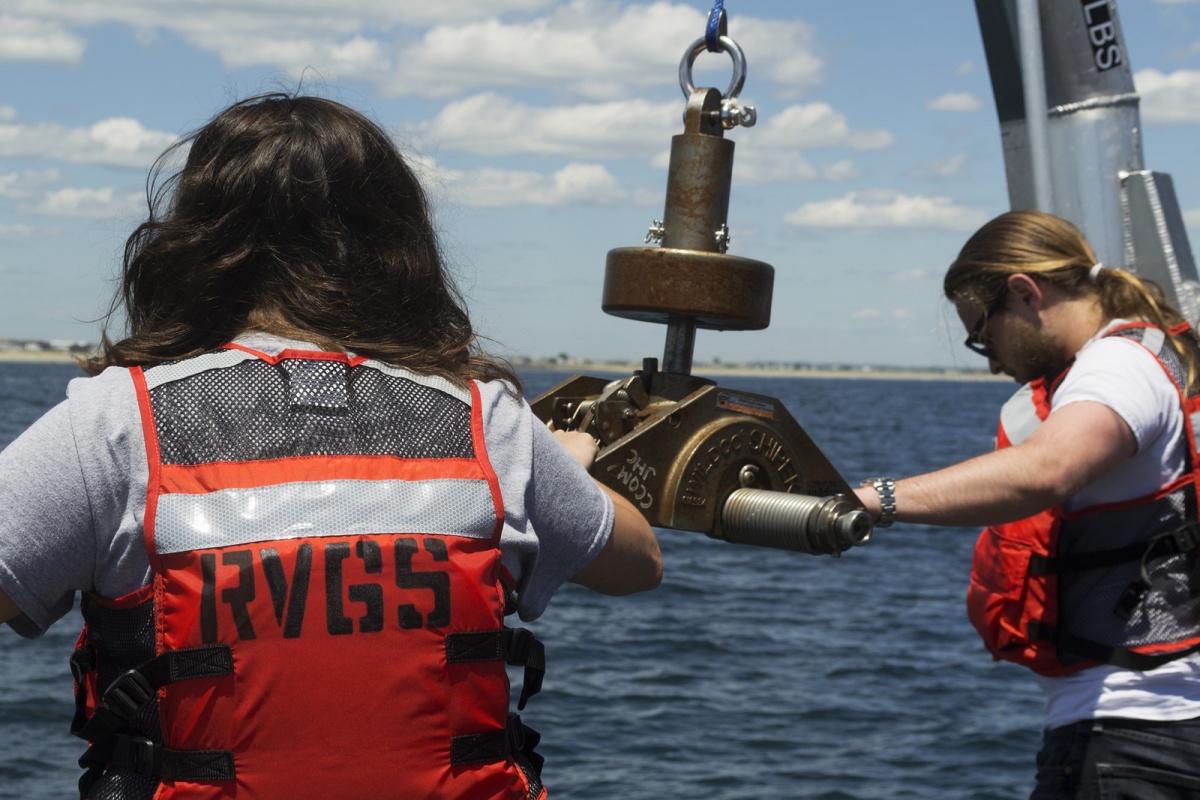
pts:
[237, 578]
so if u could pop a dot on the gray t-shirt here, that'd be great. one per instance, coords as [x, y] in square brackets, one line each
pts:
[73, 489]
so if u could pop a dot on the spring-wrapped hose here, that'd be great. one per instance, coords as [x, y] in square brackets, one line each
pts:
[817, 525]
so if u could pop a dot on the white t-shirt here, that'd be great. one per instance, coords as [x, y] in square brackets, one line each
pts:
[1122, 375]
[73, 490]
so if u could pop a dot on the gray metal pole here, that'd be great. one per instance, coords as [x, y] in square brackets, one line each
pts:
[1033, 81]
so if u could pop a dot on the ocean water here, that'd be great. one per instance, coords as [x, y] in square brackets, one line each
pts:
[750, 673]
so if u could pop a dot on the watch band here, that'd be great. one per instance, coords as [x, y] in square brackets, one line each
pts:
[886, 489]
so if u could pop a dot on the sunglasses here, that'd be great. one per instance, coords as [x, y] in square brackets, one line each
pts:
[976, 342]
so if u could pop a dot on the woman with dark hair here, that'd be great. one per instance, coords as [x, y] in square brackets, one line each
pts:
[297, 498]
[1088, 573]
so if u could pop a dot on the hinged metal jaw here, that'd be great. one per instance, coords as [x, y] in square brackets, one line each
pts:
[694, 456]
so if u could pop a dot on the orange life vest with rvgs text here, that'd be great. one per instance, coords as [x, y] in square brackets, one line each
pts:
[326, 612]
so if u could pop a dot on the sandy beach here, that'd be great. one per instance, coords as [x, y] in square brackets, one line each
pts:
[703, 370]
[744, 370]
[43, 356]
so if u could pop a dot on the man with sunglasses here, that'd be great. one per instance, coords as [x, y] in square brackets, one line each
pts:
[1088, 573]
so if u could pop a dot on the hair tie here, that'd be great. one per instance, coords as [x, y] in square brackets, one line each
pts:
[1094, 272]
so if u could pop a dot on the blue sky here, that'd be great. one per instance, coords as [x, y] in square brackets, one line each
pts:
[544, 126]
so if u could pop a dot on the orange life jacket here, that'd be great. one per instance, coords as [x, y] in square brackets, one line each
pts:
[326, 612]
[1114, 583]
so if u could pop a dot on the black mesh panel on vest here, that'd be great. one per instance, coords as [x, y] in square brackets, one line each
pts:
[1175, 365]
[255, 410]
[123, 639]
[1089, 596]
[122, 785]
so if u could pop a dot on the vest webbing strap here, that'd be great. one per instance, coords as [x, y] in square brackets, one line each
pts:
[516, 741]
[135, 689]
[515, 646]
[1077, 562]
[479, 748]
[1168, 543]
[1105, 654]
[152, 760]
[114, 719]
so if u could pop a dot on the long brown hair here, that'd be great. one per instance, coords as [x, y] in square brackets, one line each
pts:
[1051, 250]
[299, 216]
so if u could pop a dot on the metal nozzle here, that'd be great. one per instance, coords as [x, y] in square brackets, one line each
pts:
[817, 525]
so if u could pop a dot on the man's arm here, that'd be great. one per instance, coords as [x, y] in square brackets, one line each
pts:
[1076, 445]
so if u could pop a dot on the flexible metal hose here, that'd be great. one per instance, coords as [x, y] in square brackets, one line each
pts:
[817, 525]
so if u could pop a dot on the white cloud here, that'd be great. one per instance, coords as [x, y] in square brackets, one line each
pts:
[813, 125]
[1169, 99]
[574, 184]
[314, 13]
[347, 37]
[965, 68]
[26, 183]
[774, 151]
[597, 49]
[786, 51]
[867, 313]
[88, 203]
[118, 141]
[756, 166]
[15, 230]
[28, 39]
[955, 101]
[951, 165]
[490, 124]
[886, 209]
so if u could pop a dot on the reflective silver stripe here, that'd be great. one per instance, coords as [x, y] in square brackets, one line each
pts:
[1195, 417]
[449, 506]
[1019, 418]
[1153, 339]
[166, 373]
[435, 382]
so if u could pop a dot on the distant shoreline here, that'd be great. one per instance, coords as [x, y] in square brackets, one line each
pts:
[584, 368]
[747, 371]
[40, 356]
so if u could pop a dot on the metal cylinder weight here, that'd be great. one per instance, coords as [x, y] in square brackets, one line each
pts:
[720, 291]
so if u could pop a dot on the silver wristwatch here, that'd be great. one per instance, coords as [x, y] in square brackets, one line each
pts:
[886, 489]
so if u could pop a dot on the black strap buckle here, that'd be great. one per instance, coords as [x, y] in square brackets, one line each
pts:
[1162, 545]
[83, 661]
[135, 754]
[522, 741]
[1129, 599]
[524, 649]
[1186, 538]
[521, 645]
[128, 695]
